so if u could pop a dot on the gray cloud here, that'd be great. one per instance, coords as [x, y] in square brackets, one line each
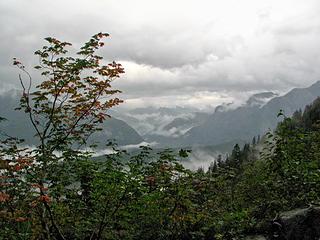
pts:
[177, 52]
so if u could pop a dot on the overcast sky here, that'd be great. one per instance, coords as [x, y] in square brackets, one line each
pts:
[177, 52]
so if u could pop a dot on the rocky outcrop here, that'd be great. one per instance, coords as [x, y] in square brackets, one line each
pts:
[300, 224]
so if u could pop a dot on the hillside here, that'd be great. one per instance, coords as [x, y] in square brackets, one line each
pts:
[250, 119]
[17, 125]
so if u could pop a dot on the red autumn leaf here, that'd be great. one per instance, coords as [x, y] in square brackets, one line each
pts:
[45, 198]
[17, 167]
[4, 197]
[21, 219]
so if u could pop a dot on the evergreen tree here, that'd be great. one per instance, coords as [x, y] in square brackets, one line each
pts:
[235, 158]
[258, 140]
[254, 140]
[213, 167]
[220, 162]
[245, 153]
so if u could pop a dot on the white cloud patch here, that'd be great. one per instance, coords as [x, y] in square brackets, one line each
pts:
[201, 159]
[137, 146]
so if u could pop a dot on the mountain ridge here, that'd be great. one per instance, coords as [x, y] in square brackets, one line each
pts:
[247, 121]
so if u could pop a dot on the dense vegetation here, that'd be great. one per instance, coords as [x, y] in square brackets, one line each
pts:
[56, 191]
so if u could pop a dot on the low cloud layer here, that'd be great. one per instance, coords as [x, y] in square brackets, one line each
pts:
[186, 53]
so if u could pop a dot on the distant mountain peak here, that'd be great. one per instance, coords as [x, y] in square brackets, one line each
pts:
[224, 107]
[260, 99]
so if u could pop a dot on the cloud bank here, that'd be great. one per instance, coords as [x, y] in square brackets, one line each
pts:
[186, 53]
